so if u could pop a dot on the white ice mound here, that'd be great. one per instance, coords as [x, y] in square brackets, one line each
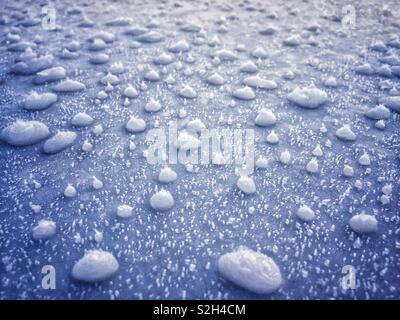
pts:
[216, 79]
[81, 119]
[245, 93]
[391, 102]
[285, 157]
[248, 67]
[258, 82]
[131, 92]
[312, 166]
[380, 112]
[124, 211]
[39, 101]
[250, 270]
[309, 98]
[195, 125]
[305, 213]
[45, 229]
[95, 265]
[167, 175]
[345, 133]
[49, 75]
[60, 141]
[152, 106]
[152, 75]
[180, 46]
[186, 141]
[272, 138]
[225, 55]
[135, 125]
[265, 118]
[162, 200]
[188, 92]
[246, 185]
[24, 133]
[364, 223]
[163, 59]
[69, 86]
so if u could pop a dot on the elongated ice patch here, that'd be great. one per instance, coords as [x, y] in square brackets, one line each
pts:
[81, 119]
[59, 142]
[24, 133]
[250, 270]
[49, 75]
[95, 265]
[39, 101]
[69, 86]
